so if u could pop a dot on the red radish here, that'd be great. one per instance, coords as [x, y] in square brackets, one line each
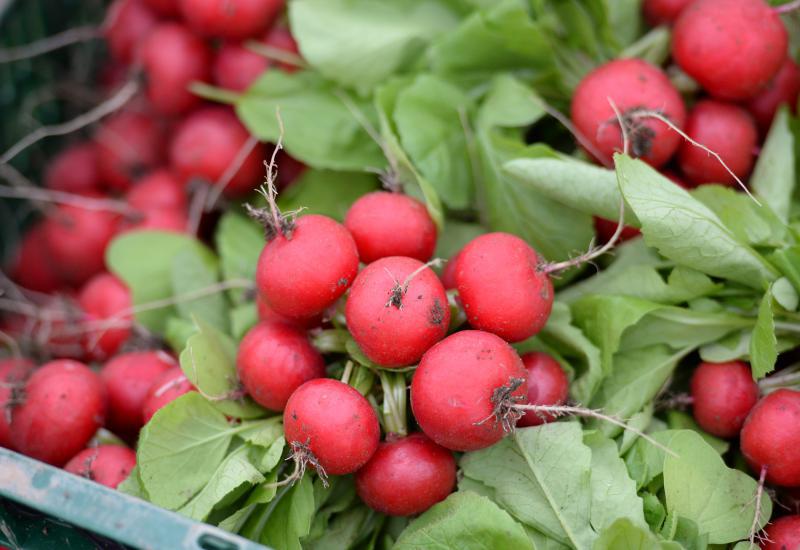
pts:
[722, 396]
[166, 8]
[290, 170]
[783, 88]
[733, 48]
[633, 85]
[726, 129]
[106, 300]
[77, 238]
[514, 301]
[173, 58]
[236, 68]
[74, 170]
[13, 373]
[390, 224]
[159, 219]
[547, 385]
[406, 476]
[169, 386]
[453, 387]
[127, 24]
[158, 189]
[128, 145]
[397, 309]
[676, 179]
[782, 534]
[274, 360]
[61, 331]
[265, 313]
[33, 267]
[605, 229]
[128, 378]
[64, 405]
[232, 19]
[771, 437]
[281, 38]
[448, 275]
[207, 142]
[663, 12]
[303, 271]
[108, 465]
[334, 422]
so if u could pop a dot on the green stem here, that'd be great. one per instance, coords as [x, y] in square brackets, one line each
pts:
[348, 369]
[270, 52]
[331, 341]
[394, 402]
[213, 93]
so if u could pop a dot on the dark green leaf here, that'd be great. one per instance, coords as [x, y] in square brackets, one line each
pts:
[326, 192]
[192, 272]
[763, 344]
[773, 178]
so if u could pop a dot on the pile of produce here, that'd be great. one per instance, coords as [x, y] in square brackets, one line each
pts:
[424, 273]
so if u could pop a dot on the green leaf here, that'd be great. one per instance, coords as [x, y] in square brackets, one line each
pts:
[624, 535]
[239, 243]
[684, 230]
[144, 260]
[465, 521]
[645, 461]
[542, 476]
[132, 485]
[342, 531]
[290, 520]
[653, 46]
[773, 177]
[699, 487]
[177, 332]
[455, 236]
[787, 260]
[763, 343]
[319, 128]
[326, 192]
[677, 420]
[209, 362]
[192, 271]
[360, 43]
[246, 518]
[243, 318]
[785, 294]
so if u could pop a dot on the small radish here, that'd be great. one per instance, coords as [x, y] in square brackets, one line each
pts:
[334, 425]
[454, 389]
[397, 309]
[406, 476]
[128, 378]
[64, 403]
[274, 360]
[726, 129]
[76, 239]
[129, 144]
[606, 228]
[33, 267]
[207, 143]
[663, 12]
[106, 301]
[169, 386]
[502, 286]
[547, 385]
[722, 396]
[232, 19]
[306, 265]
[390, 224]
[165, 8]
[157, 219]
[127, 24]
[291, 170]
[782, 534]
[236, 68]
[13, 373]
[782, 89]
[634, 86]
[74, 170]
[280, 37]
[448, 275]
[108, 465]
[266, 313]
[770, 437]
[173, 58]
[158, 189]
[733, 48]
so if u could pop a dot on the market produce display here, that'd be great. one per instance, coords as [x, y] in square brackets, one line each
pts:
[414, 274]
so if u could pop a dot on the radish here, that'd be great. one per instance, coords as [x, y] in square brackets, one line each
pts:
[274, 360]
[633, 86]
[722, 396]
[236, 68]
[280, 37]
[165, 8]
[333, 425]
[108, 465]
[169, 386]
[106, 301]
[158, 189]
[291, 170]
[306, 265]
[726, 129]
[770, 437]
[448, 275]
[74, 170]
[128, 378]
[783, 88]
[390, 224]
[406, 476]
[232, 19]
[33, 267]
[13, 373]
[503, 287]
[173, 58]
[454, 389]
[663, 12]
[127, 24]
[63, 406]
[158, 219]
[266, 313]
[207, 143]
[733, 48]
[397, 309]
[547, 385]
[76, 239]
[782, 534]
[606, 228]
[129, 144]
